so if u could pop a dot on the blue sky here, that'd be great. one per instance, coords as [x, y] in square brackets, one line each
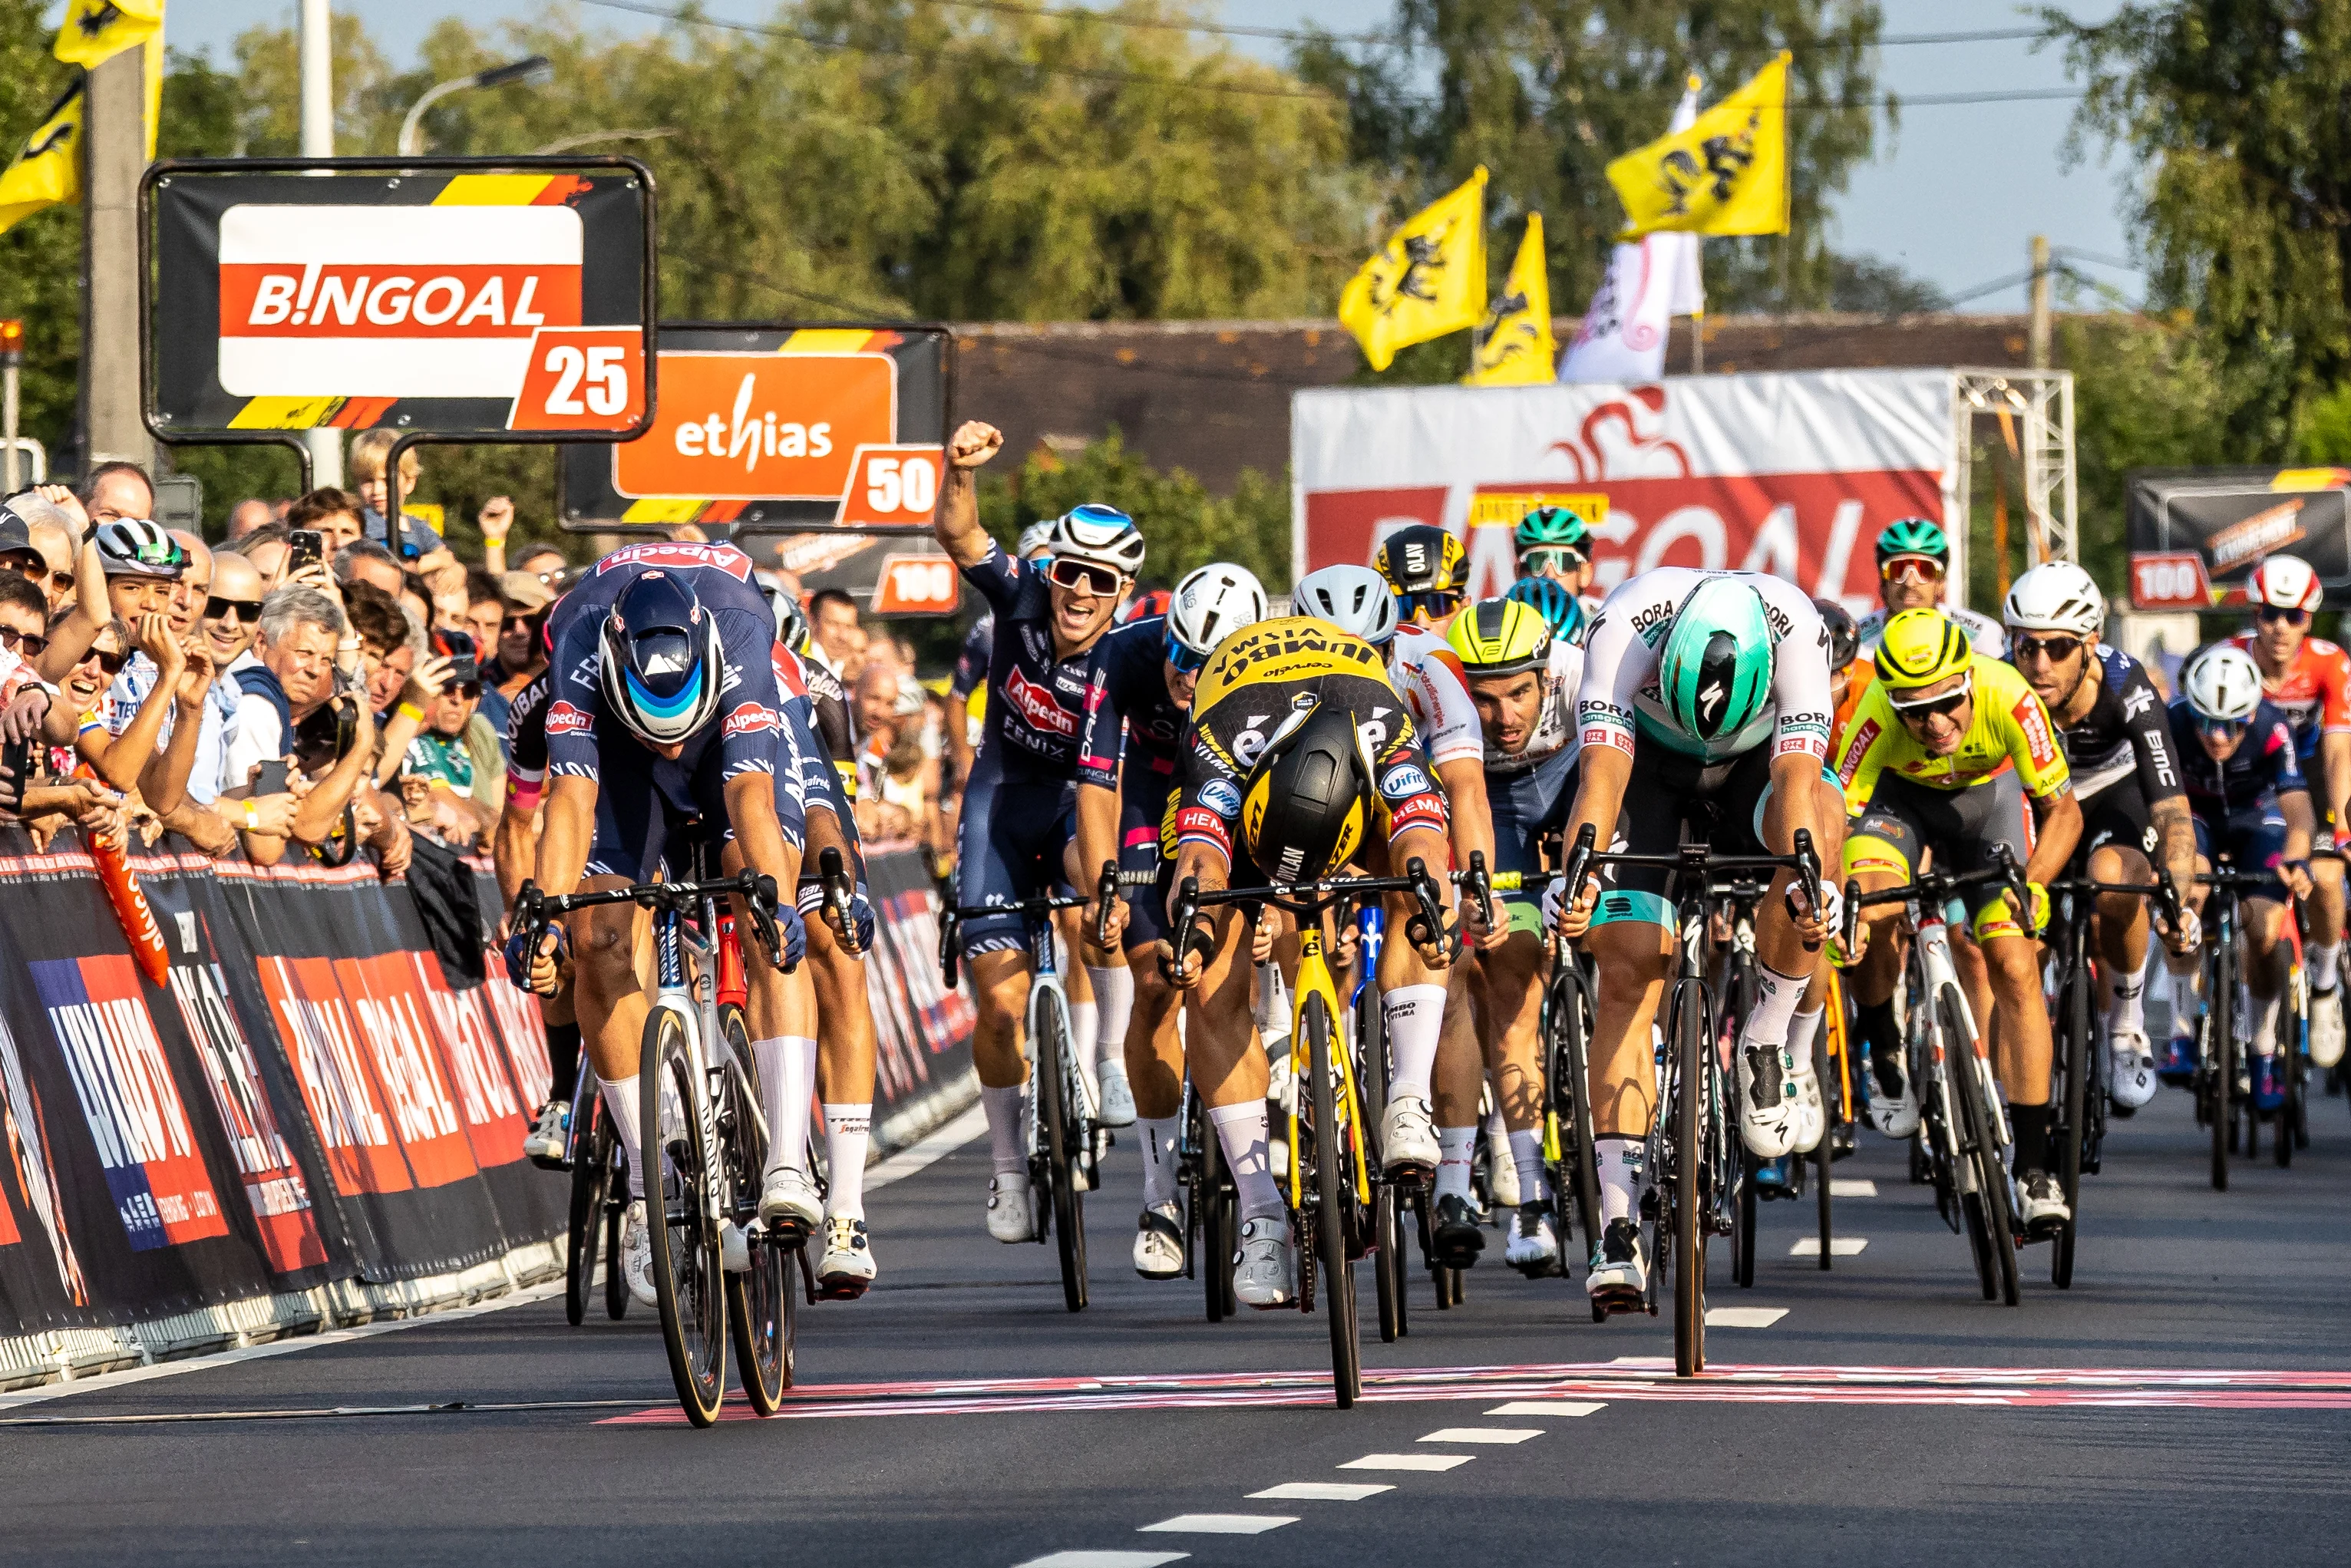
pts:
[1955, 197]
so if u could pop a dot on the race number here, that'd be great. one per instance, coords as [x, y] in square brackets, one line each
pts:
[891, 484]
[582, 378]
[916, 585]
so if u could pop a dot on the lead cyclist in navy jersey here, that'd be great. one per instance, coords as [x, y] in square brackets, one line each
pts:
[1045, 675]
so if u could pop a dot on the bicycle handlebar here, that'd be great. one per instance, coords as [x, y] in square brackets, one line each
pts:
[1805, 861]
[839, 894]
[1310, 897]
[952, 917]
[537, 911]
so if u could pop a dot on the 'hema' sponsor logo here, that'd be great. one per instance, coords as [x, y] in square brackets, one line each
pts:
[375, 301]
[1039, 706]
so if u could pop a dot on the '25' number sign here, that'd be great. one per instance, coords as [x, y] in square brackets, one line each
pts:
[586, 379]
[891, 484]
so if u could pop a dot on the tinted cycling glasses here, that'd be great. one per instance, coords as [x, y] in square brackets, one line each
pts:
[1911, 569]
[1183, 659]
[2056, 649]
[2279, 615]
[1946, 705]
[1425, 607]
[1549, 558]
[1083, 577]
[2223, 729]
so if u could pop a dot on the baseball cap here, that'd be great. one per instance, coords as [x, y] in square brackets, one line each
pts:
[14, 537]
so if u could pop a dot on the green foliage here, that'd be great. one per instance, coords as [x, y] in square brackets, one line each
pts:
[2146, 395]
[1182, 526]
[2324, 435]
[40, 258]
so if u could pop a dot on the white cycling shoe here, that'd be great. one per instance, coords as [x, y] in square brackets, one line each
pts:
[1811, 1115]
[1408, 1137]
[1266, 1274]
[2326, 1027]
[1895, 1115]
[1009, 1216]
[790, 1205]
[636, 1258]
[1117, 1098]
[543, 1147]
[2044, 1209]
[1534, 1247]
[2132, 1063]
[1159, 1243]
[1618, 1270]
[1767, 1101]
[847, 1267]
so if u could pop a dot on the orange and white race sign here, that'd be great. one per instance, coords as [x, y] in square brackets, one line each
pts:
[916, 585]
[582, 378]
[892, 484]
[753, 426]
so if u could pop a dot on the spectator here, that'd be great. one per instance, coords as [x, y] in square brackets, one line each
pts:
[335, 514]
[115, 491]
[233, 612]
[18, 553]
[291, 677]
[246, 516]
[834, 634]
[486, 612]
[145, 569]
[364, 560]
[495, 521]
[543, 562]
[365, 464]
[266, 547]
[23, 621]
[443, 785]
[521, 648]
[54, 537]
[417, 602]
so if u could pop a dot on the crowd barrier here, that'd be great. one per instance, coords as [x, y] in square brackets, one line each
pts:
[304, 1106]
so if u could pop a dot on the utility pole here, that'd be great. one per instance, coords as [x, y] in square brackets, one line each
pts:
[114, 153]
[12, 357]
[2040, 302]
[325, 444]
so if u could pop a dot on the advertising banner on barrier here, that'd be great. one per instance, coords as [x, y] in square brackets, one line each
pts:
[924, 1029]
[1789, 474]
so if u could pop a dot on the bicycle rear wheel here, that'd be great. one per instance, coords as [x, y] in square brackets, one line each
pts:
[1387, 1203]
[2289, 1049]
[761, 1312]
[591, 1183]
[1332, 1172]
[1574, 1174]
[616, 1284]
[1063, 1128]
[1692, 1047]
[1979, 1144]
[688, 1268]
[2221, 1057]
[2074, 1047]
[1219, 1232]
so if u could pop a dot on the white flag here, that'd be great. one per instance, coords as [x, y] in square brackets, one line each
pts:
[1649, 282]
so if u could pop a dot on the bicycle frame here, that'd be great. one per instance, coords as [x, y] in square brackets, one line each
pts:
[1314, 979]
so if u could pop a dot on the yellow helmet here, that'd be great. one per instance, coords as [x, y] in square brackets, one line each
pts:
[1920, 647]
[1308, 798]
[1499, 637]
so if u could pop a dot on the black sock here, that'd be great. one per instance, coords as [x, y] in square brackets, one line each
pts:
[563, 1058]
[1884, 1037]
[2030, 1126]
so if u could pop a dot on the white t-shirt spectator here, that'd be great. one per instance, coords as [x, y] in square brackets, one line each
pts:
[129, 690]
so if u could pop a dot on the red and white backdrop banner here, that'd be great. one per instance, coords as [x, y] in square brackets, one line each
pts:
[1788, 473]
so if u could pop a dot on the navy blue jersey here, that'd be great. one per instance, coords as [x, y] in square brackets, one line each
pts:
[2262, 769]
[1134, 701]
[1036, 704]
[971, 664]
[2125, 735]
[745, 727]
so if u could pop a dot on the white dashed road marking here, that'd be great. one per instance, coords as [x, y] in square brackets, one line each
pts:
[1321, 1491]
[1483, 1435]
[1547, 1407]
[1105, 1560]
[1220, 1524]
[1746, 1317]
[1839, 1246]
[1407, 1462]
[1851, 1186]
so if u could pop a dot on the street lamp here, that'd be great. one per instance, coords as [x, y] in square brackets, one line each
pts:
[534, 71]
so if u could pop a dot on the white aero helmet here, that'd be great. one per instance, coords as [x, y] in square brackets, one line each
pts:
[2056, 596]
[1099, 536]
[2285, 582]
[1354, 599]
[2223, 685]
[1034, 538]
[1212, 603]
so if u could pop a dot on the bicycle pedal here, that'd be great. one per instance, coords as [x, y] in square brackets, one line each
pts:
[844, 1290]
[1620, 1302]
[551, 1162]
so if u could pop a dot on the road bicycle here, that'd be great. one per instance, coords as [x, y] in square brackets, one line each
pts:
[1211, 1205]
[2223, 1086]
[1329, 1181]
[599, 1198]
[1963, 1129]
[1833, 1065]
[716, 1267]
[1693, 1148]
[1061, 1126]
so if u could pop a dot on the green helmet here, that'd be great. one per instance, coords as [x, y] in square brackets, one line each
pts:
[1912, 536]
[1714, 672]
[1551, 525]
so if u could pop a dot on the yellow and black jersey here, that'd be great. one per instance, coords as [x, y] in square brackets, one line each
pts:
[1269, 677]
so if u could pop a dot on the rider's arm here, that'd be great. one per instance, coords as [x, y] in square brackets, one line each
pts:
[957, 529]
[2058, 831]
[751, 809]
[568, 828]
[1097, 838]
[1464, 783]
[2334, 752]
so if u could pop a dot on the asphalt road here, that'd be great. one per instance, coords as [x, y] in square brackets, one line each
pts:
[2192, 1405]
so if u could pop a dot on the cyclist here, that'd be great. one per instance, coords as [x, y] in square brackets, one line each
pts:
[2117, 745]
[1704, 704]
[1523, 680]
[1914, 557]
[1431, 1123]
[2246, 789]
[665, 720]
[2308, 679]
[1946, 749]
[1554, 545]
[1428, 571]
[1552, 599]
[1046, 671]
[1124, 796]
[1302, 757]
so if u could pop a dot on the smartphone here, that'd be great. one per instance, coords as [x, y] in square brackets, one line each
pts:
[463, 667]
[16, 756]
[304, 546]
[272, 780]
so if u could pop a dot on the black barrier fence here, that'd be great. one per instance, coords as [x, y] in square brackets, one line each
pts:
[313, 1091]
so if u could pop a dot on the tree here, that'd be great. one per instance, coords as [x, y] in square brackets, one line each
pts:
[1875, 287]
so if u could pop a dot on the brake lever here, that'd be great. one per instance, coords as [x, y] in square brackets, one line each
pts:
[1852, 914]
[1808, 874]
[1579, 865]
[1105, 893]
[1481, 888]
[1431, 918]
[2017, 886]
[1187, 912]
[950, 929]
[839, 894]
[759, 896]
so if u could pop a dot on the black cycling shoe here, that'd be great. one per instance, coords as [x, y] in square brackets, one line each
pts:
[1459, 1238]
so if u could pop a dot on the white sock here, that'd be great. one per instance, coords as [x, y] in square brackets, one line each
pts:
[1159, 1158]
[1776, 996]
[1497, 1132]
[1620, 1175]
[2265, 1020]
[1085, 1024]
[1415, 1015]
[787, 1083]
[848, 1130]
[1526, 1153]
[620, 1103]
[1272, 1002]
[1242, 1130]
[1455, 1148]
[2325, 965]
[1113, 1004]
[2125, 1005]
[1803, 1030]
[1006, 1148]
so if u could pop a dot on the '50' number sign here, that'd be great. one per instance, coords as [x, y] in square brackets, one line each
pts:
[891, 484]
[582, 378]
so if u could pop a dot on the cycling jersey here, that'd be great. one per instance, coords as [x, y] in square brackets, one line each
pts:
[1133, 708]
[1036, 703]
[2263, 768]
[971, 662]
[2010, 730]
[2125, 735]
[812, 697]
[526, 741]
[2314, 693]
[1989, 637]
[1257, 679]
[1618, 694]
[1426, 672]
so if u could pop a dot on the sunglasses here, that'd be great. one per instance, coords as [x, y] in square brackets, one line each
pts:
[31, 568]
[469, 690]
[2278, 615]
[25, 644]
[521, 622]
[1551, 558]
[1078, 576]
[109, 665]
[1911, 569]
[1418, 607]
[2056, 649]
[240, 609]
[1183, 659]
[1947, 706]
[2223, 729]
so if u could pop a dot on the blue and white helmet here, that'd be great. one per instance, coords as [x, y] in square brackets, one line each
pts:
[1099, 536]
[664, 668]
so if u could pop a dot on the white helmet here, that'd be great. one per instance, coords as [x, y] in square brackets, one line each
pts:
[1099, 535]
[1354, 599]
[1034, 538]
[2056, 596]
[1212, 603]
[2285, 582]
[2223, 685]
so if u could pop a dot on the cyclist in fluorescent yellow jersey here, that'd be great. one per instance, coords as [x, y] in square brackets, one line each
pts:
[1943, 754]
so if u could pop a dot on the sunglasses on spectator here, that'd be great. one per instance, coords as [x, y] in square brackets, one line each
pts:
[24, 645]
[526, 623]
[1078, 576]
[218, 609]
[1945, 706]
[1911, 569]
[109, 665]
[469, 690]
[31, 568]
[1551, 558]
[2278, 614]
[2056, 649]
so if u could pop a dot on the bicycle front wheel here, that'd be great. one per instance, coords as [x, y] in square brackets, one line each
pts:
[2074, 1047]
[688, 1266]
[1058, 1113]
[1333, 1163]
[591, 1183]
[760, 1309]
[1981, 1144]
[2221, 1057]
[1217, 1219]
[616, 1284]
[1693, 1049]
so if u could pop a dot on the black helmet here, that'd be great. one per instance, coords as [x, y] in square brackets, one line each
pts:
[1844, 637]
[1309, 796]
[663, 669]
